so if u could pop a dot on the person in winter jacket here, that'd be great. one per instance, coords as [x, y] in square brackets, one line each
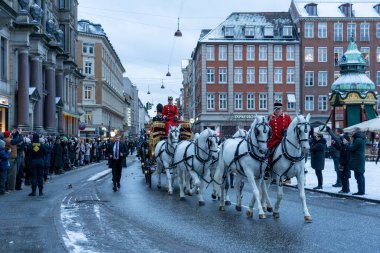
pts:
[37, 152]
[356, 163]
[317, 152]
[4, 166]
[336, 144]
[343, 165]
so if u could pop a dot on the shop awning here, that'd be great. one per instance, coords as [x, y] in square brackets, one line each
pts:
[291, 98]
[71, 114]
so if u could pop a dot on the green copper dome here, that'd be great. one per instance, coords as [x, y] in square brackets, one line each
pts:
[353, 67]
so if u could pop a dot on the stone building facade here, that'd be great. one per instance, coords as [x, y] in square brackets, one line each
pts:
[38, 70]
[101, 94]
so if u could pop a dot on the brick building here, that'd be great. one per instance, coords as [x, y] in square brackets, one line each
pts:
[243, 66]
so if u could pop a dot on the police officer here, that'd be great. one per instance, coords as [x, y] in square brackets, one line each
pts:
[37, 152]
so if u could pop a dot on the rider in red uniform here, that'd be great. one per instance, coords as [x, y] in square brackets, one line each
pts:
[170, 114]
[279, 122]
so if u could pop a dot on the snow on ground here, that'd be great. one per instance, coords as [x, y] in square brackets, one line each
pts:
[372, 179]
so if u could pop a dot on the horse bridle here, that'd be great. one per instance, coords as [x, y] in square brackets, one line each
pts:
[210, 151]
[265, 126]
[297, 131]
[169, 145]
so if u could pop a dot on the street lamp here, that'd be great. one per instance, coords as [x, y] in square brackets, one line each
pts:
[178, 33]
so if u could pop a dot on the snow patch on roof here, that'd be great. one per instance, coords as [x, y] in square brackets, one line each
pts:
[353, 78]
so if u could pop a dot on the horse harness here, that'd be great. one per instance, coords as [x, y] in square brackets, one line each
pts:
[167, 147]
[285, 153]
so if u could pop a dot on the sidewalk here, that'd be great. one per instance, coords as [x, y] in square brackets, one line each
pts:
[372, 181]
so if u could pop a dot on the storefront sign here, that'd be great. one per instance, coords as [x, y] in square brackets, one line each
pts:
[244, 116]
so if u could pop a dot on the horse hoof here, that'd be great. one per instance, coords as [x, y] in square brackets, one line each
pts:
[201, 203]
[221, 208]
[249, 213]
[238, 208]
[262, 216]
[308, 219]
[213, 196]
[269, 209]
[276, 215]
[227, 203]
[182, 198]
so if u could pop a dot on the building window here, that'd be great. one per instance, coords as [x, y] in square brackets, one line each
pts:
[263, 75]
[222, 75]
[268, 31]
[287, 31]
[88, 68]
[210, 75]
[222, 53]
[249, 31]
[278, 53]
[322, 30]
[338, 53]
[309, 30]
[378, 54]
[322, 54]
[87, 92]
[309, 78]
[336, 75]
[278, 98]
[263, 53]
[250, 75]
[364, 32]
[378, 78]
[322, 78]
[88, 117]
[223, 101]
[61, 4]
[365, 52]
[238, 53]
[309, 103]
[377, 8]
[351, 31]
[263, 101]
[210, 101]
[277, 75]
[88, 48]
[238, 101]
[378, 30]
[338, 31]
[250, 53]
[238, 75]
[311, 9]
[322, 103]
[290, 102]
[3, 58]
[290, 73]
[210, 53]
[250, 101]
[228, 31]
[290, 51]
[309, 54]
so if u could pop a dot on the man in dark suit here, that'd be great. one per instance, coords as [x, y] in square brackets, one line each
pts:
[116, 151]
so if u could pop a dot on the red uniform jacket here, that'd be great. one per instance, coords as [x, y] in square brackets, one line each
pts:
[170, 112]
[278, 124]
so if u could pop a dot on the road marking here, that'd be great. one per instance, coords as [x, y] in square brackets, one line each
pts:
[99, 175]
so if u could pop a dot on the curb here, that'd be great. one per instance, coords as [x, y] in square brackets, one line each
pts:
[333, 194]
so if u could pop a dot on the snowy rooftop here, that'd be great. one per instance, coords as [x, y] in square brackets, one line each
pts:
[330, 8]
[354, 78]
[240, 21]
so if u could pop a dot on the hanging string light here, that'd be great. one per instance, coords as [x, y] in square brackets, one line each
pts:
[148, 90]
[168, 74]
[162, 84]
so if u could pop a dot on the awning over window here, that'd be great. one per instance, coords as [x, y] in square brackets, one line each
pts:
[291, 98]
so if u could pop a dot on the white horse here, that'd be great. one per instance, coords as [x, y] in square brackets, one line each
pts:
[164, 153]
[288, 161]
[247, 158]
[194, 158]
[240, 133]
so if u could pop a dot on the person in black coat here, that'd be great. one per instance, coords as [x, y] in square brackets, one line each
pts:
[343, 165]
[317, 152]
[57, 156]
[116, 152]
[37, 152]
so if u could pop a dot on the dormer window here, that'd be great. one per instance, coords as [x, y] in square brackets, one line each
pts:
[346, 9]
[311, 9]
[268, 31]
[287, 31]
[249, 31]
[229, 31]
[377, 8]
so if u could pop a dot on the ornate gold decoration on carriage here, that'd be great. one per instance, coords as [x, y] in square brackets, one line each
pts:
[156, 132]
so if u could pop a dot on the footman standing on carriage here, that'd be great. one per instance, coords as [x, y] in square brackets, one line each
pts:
[279, 122]
[170, 113]
[158, 116]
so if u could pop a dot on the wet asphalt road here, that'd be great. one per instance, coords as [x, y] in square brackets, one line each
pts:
[90, 217]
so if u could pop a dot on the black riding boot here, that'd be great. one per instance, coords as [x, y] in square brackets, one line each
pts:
[33, 193]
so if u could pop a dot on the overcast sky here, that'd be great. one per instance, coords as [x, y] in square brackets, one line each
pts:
[142, 33]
